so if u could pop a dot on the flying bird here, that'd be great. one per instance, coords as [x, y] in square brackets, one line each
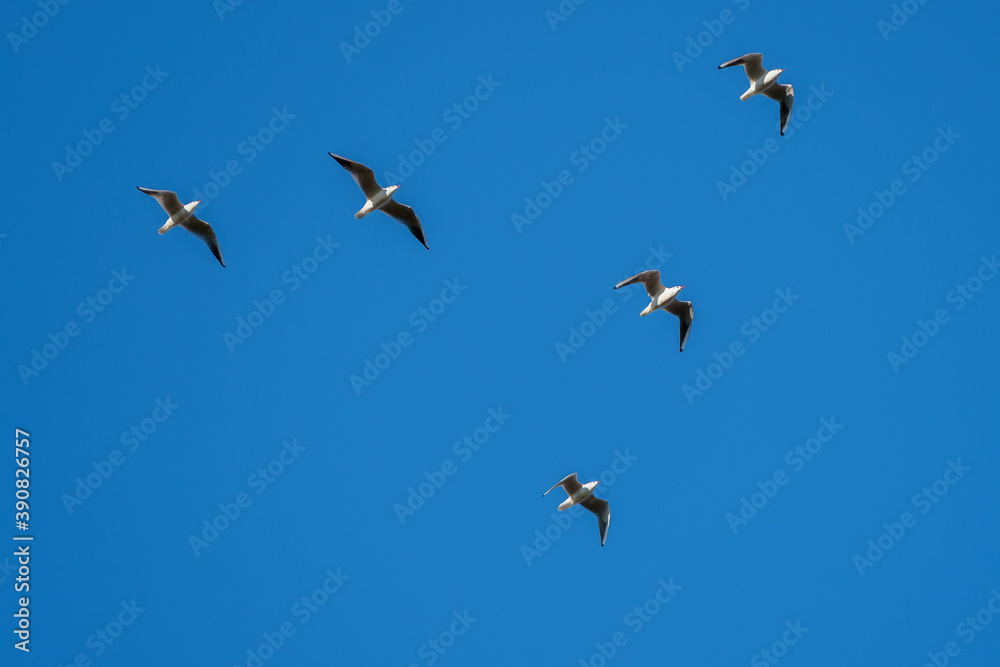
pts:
[764, 81]
[663, 298]
[380, 199]
[184, 216]
[583, 494]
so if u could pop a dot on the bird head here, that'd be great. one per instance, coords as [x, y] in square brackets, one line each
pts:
[391, 190]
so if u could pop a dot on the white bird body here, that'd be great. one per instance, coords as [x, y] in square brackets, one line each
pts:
[665, 299]
[766, 82]
[180, 217]
[183, 216]
[377, 202]
[378, 198]
[761, 84]
[583, 494]
[579, 496]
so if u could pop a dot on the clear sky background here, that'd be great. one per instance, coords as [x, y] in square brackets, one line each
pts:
[677, 465]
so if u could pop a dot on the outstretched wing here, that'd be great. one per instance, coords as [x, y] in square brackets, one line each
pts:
[363, 176]
[784, 94]
[685, 313]
[753, 64]
[569, 484]
[405, 215]
[650, 279]
[204, 231]
[602, 509]
[168, 200]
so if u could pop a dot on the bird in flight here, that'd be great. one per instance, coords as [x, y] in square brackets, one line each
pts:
[583, 494]
[766, 82]
[380, 199]
[663, 298]
[184, 216]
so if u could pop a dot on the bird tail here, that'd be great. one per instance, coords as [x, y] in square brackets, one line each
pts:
[166, 227]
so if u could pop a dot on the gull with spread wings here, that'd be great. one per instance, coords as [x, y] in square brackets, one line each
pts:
[583, 494]
[663, 298]
[184, 217]
[380, 199]
[766, 82]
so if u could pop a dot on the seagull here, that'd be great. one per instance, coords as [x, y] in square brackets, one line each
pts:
[583, 494]
[184, 216]
[663, 298]
[380, 199]
[763, 81]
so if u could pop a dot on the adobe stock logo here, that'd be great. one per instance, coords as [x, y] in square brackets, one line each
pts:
[420, 320]
[967, 630]
[88, 310]
[636, 620]
[303, 610]
[103, 638]
[264, 310]
[252, 146]
[121, 106]
[581, 158]
[435, 648]
[455, 116]
[752, 329]
[796, 459]
[381, 18]
[437, 477]
[259, 481]
[779, 649]
[714, 28]
[923, 501]
[563, 12]
[38, 20]
[915, 167]
[104, 469]
[926, 330]
[898, 18]
[803, 111]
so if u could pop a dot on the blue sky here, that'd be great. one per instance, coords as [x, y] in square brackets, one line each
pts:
[810, 482]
